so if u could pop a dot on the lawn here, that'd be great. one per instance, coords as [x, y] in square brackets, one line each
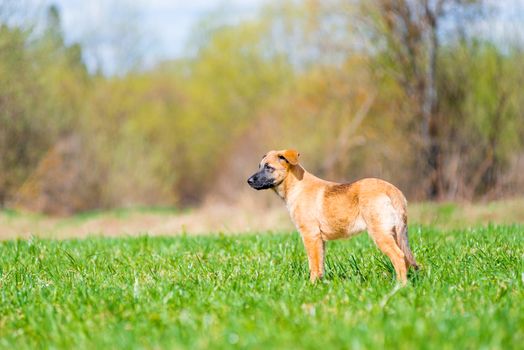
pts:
[252, 291]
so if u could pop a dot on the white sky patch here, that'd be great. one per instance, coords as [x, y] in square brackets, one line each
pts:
[163, 26]
[114, 32]
[509, 21]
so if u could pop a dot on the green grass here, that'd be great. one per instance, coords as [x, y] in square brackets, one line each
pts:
[252, 291]
[126, 212]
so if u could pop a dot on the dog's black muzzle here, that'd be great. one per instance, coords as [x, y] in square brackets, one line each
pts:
[260, 181]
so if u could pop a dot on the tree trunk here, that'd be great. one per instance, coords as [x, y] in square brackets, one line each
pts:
[430, 121]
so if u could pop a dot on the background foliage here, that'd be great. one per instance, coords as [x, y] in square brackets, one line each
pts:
[408, 91]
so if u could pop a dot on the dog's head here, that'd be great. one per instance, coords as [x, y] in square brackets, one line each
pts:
[273, 169]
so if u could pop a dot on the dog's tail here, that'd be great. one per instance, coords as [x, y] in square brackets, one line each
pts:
[403, 242]
[401, 234]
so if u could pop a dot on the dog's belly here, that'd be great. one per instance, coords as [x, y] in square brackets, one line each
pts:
[336, 229]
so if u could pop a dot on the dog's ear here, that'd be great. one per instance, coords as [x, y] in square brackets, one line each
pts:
[290, 156]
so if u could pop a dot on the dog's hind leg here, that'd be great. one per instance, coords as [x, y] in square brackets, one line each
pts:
[385, 241]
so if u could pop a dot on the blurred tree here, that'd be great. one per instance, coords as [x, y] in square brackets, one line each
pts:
[37, 76]
[358, 87]
[478, 85]
[231, 76]
[20, 139]
[409, 32]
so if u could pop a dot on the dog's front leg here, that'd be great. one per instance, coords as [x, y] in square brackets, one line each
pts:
[315, 253]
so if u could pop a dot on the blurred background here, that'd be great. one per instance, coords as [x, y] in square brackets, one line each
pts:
[154, 103]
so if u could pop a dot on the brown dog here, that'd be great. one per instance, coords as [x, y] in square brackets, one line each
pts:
[323, 210]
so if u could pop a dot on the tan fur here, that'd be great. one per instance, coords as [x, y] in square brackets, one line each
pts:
[323, 210]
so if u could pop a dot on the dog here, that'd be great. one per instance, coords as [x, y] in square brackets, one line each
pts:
[323, 210]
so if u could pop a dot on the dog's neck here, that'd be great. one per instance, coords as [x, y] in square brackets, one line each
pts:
[296, 174]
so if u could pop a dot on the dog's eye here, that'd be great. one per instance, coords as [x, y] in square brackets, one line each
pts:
[269, 168]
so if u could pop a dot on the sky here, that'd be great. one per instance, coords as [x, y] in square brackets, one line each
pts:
[164, 26]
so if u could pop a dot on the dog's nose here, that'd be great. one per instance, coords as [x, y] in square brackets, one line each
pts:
[251, 181]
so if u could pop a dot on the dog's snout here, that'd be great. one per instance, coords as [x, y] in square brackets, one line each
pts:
[259, 181]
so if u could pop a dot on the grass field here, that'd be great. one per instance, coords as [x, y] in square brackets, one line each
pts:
[248, 217]
[252, 291]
